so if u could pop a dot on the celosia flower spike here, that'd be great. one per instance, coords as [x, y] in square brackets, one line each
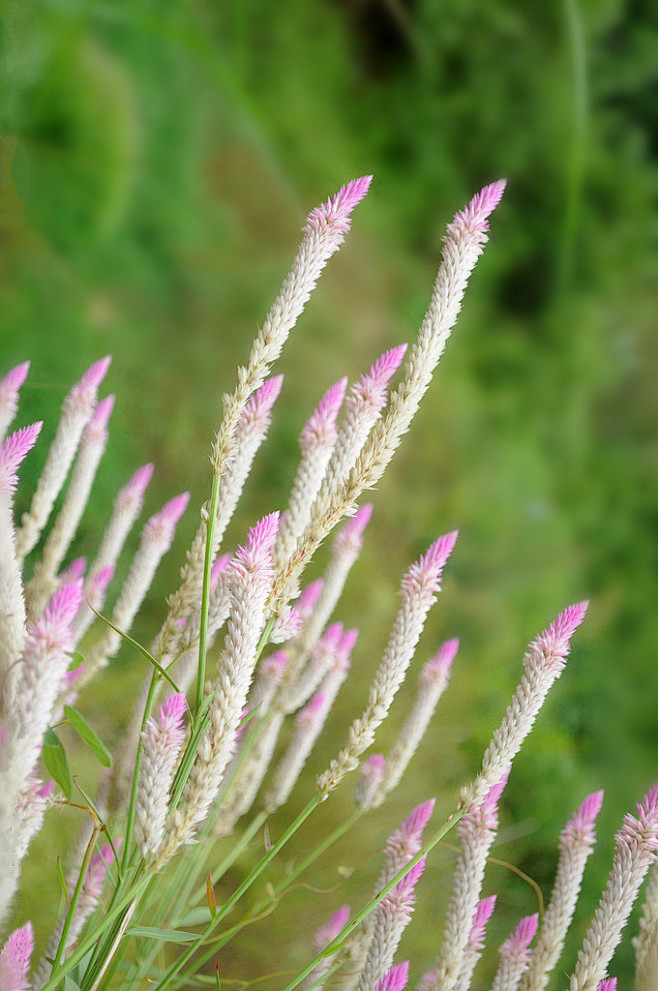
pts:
[13, 451]
[134, 490]
[514, 955]
[15, 959]
[330, 929]
[476, 215]
[473, 949]
[307, 600]
[335, 213]
[162, 525]
[609, 984]
[576, 845]
[162, 744]
[319, 429]
[308, 723]
[418, 592]
[636, 846]
[262, 401]
[543, 663]
[394, 979]
[92, 378]
[9, 389]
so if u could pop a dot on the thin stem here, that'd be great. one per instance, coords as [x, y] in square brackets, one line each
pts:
[75, 899]
[337, 943]
[205, 595]
[138, 763]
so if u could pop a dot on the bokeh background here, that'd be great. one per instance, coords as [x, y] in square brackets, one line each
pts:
[156, 164]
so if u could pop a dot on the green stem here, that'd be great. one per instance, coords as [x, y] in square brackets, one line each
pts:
[74, 901]
[239, 892]
[138, 763]
[205, 595]
[337, 943]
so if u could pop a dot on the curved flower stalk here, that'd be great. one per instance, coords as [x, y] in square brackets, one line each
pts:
[576, 844]
[646, 944]
[157, 537]
[12, 602]
[163, 741]
[92, 447]
[316, 442]
[543, 664]
[77, 411]
[635, 853]
[15, 959]
[324, 233]
[515, 954]
[432, 683]
[463, 244]
[477, 831]
[10, 387]
[251, 581]
[418, 592]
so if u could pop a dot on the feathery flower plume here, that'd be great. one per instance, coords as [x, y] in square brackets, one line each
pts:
[610, 984]
[76, 569]
[9, 389]
[344, 552]
[576, 844]
[251, 574]
[515, 954]
[156, 539]
[363, 407]
[323, 235]
[306, 602]
[286, 626]
[543, 663]
[92, 446]
[15, 959]
[463, 244]
[646, 943]
[12, 602]
[418, 592]
[321, 660]
[474, 946]
[635, 852]
[323, 937]
[394, 979]
[316, 443]
[477, 830]
[432, 683]
[163, 740]
[77, 410]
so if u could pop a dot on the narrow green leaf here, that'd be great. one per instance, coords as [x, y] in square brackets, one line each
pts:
[77, 659]
[165, 935]
[142, 650]
[56, 763]
[88, 735]
[70, 984]
[195, 917]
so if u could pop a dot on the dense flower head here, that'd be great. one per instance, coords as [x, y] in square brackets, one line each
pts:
[439, 665]
[404, 888]
[99, 582]
[643, 830]
[371, 387]
[372, 771]
[85, 390]
[335, 213]
[308, 717]
[172, 713]
[55, 624]
[12, 452]
[162, 525]
[97, 426]
[426, 572]
[76, 569]
[97, 871]
[580, 828]
[351, 533]
[347, 643]
[609, 984]
[475, 216]
[13, 380]
[309, 597]
[395, 979]
[260, 404]
[551, 648]
[485, 816]
[320, 428]
[483, 912]
[255, 554]
[15, 959]
[275, 664]
[286, 626]
[133, 492]
[412, 828]
[517, 944]
[330, 929]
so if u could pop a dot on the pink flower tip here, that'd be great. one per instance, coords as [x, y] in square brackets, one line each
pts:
[348, 642]
[14, 379]
[102, 413]
[320, 428]
[13, 451]
[524, 933]
[137, 484]
[262, 536]
[62, 608]
[220, 565]
[335, 213]
[172, 711]
[102, 578]
[174, 509]
[476, 215]
[357, 523]
[264, 398]
[484, 911]
[440, 551]
[415, 823]
[609, 984]
[93, 377]
[276, 664]
[568, 621]
[387, 364]
[330, 404]
[395, 979]
[373, 768]
[309, 597]
[76, 569]
[406, 886]
[330, 930]
[47, 790]
[312, 711]
[15, 959]
[580, 828]
[440, 664]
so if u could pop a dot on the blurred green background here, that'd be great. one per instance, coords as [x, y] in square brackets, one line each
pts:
[156, 164]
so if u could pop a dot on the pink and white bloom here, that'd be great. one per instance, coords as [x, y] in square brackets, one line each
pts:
[323, 937]
[9, 388]
[15, 959]
[636, 846]
[543, 664]
[473, 949]
[162, 745]
[394, 979]
[515, 954]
